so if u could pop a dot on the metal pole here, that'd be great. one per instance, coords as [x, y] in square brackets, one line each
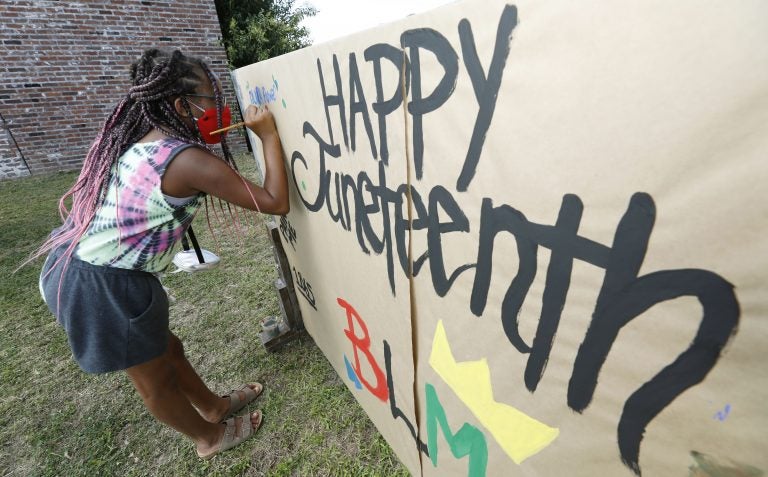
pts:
[10, 134]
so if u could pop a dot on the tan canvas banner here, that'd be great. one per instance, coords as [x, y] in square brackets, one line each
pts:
[530, 236]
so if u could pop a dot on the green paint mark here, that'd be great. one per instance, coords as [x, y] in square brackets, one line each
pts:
[303, 185]
[706, 466]
[284, 105]
[468, 441]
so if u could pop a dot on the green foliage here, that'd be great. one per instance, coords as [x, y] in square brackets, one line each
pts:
[254, 30]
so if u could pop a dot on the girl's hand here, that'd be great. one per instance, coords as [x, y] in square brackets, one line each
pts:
[260, 121]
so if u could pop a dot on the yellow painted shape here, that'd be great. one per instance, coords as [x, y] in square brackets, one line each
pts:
[520, 435]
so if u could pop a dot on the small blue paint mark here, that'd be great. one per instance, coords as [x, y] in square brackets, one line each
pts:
[284, 105]
[352, 375]
[303, 185]
[275, 82]
[721, 415]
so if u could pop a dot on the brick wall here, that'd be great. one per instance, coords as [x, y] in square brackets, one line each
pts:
[64, 66]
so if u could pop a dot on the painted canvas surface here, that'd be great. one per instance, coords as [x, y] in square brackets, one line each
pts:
[530, 236]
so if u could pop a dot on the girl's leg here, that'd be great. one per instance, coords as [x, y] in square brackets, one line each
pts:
[159, 384]
[212, 407]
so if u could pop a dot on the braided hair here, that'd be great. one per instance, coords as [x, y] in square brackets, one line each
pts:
[157, 79]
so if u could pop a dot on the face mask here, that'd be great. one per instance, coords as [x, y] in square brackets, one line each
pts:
[208, 123]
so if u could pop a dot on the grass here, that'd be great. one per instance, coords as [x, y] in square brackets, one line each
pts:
[57, 420]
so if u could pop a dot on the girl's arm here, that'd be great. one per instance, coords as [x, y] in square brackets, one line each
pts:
[195, 170]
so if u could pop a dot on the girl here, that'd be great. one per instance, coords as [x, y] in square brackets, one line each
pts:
[141, 184]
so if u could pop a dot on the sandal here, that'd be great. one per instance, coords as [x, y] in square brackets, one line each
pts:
[231, 437]
[236, 403]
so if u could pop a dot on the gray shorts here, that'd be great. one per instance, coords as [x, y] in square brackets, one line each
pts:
[114, 318]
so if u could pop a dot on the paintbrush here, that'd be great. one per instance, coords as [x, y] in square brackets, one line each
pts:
[233, 126]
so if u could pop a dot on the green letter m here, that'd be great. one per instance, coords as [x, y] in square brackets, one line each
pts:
[468, 441]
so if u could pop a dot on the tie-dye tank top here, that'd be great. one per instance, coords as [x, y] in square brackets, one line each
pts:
[136, 227]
